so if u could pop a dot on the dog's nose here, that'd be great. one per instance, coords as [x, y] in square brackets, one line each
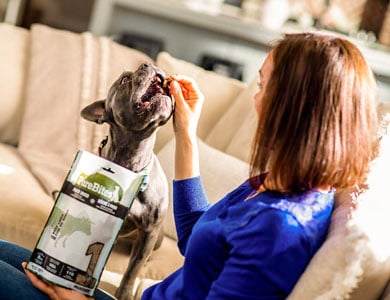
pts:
[139, 107]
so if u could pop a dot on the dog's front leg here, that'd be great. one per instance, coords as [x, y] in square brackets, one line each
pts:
[142, 248]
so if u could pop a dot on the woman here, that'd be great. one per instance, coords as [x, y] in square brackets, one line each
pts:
[316, 133]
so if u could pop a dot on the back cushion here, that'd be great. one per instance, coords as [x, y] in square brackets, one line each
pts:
[240, 120]
[14, 51]
[220, 92]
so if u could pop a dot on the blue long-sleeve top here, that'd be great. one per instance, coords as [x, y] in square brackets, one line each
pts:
[240, 248]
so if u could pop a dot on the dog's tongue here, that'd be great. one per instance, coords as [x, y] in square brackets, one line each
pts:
[140, 106]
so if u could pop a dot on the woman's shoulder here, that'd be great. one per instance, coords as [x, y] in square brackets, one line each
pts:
[304, 207]
[242, 191]
[278, 210]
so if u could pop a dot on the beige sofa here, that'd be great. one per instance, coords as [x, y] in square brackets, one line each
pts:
[48, 75]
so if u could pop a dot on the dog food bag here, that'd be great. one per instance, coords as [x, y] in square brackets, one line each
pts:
[84, 223]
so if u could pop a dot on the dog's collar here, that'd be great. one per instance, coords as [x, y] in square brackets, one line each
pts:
[102, 144]
[144, 173]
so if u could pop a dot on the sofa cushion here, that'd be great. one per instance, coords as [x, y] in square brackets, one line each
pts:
[220, 92]
[220, 173]
[13, 62]
[241, 120]
[24, 204]
[67, 71]
[354, 261]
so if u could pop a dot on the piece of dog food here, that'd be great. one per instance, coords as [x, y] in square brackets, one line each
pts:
[167, 81]
[84, 223]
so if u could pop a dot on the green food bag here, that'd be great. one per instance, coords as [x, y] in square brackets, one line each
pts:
[84, 223]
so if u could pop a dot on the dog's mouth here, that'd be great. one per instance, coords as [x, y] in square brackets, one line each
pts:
[158, 89]
[158, 86]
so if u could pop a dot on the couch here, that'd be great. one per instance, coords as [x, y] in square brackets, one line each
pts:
[47, 75]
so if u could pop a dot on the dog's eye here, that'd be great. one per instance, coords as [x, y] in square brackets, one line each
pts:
[125, 79]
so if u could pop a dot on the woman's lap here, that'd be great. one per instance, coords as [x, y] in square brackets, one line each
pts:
[13, 254]
[14, 284]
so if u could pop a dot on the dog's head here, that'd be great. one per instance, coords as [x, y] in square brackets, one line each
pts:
[136, 101]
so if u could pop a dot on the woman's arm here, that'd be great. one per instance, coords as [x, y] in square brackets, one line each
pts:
[188, 104]
[189, 204]
[189, 197]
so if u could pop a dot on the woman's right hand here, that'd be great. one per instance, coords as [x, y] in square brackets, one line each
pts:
[189, 100]
[188, 104]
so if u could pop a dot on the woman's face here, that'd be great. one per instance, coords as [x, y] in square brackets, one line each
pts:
[264, 75]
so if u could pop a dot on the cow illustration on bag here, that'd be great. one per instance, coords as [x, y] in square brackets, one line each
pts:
[65, 224]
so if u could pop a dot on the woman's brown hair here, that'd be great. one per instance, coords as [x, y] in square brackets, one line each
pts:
[317, 121]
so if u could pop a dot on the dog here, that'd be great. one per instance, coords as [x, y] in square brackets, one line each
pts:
[137, 104]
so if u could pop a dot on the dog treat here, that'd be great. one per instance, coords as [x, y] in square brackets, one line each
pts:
[167, 81]
[84, 223]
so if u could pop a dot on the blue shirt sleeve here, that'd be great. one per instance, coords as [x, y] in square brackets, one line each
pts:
[189, 203]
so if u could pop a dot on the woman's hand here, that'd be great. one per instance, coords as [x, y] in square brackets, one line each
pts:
[189, 100]
[53, 291]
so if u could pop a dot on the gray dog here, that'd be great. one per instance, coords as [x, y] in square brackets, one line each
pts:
[137, 104]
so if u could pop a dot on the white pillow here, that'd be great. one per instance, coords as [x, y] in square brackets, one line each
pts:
[219, 91]
[220, 173]
[13, 62]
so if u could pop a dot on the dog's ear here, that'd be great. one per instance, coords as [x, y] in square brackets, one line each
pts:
[95, 112]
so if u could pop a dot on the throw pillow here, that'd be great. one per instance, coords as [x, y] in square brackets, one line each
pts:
[219, 91]
[13, 61]
[67, 71]
[220, 173]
